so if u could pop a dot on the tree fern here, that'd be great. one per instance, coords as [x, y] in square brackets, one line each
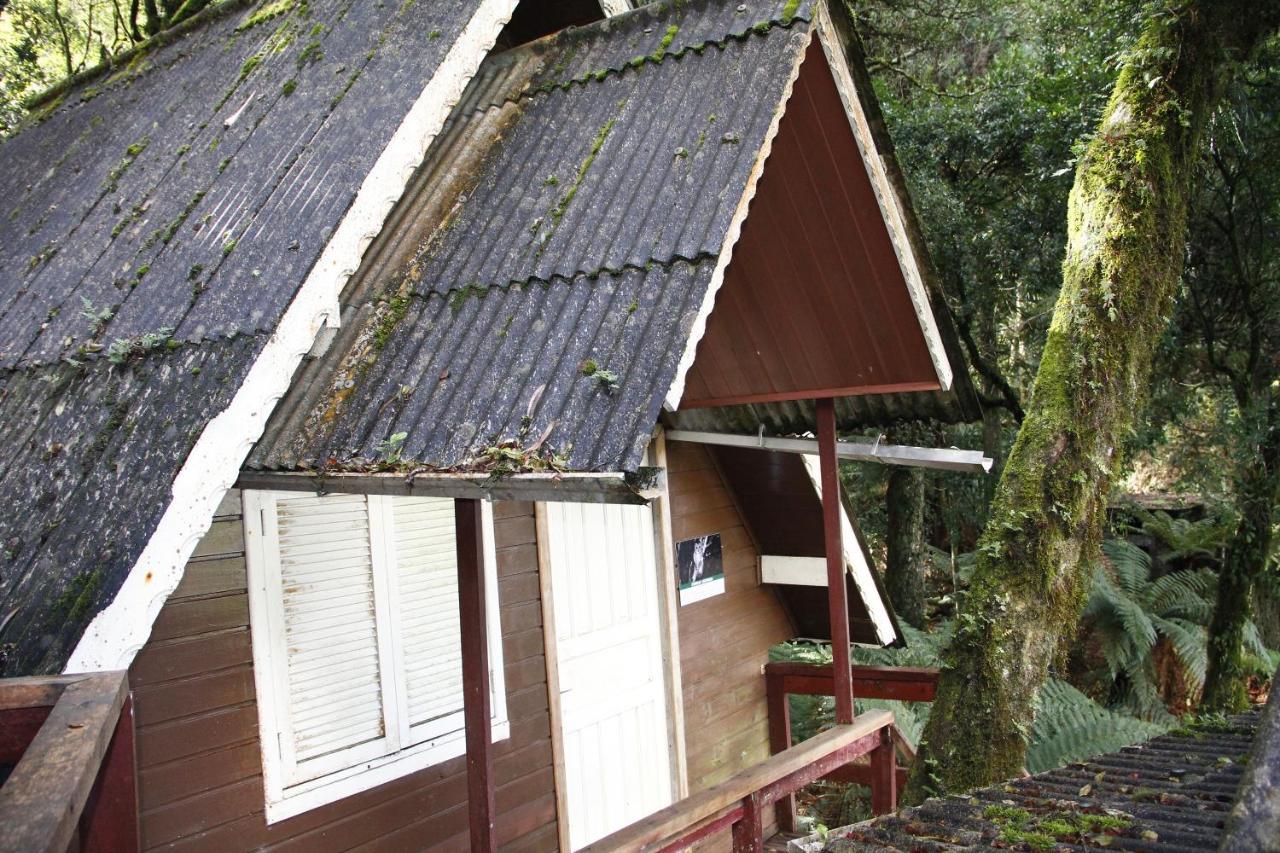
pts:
[1069, 726]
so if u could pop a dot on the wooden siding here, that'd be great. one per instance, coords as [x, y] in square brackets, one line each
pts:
[814, 303]
[724, 640]
[200, 776]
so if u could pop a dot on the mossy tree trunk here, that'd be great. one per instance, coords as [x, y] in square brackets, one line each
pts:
[904, 540]
[1127, 223]
[1247, 554]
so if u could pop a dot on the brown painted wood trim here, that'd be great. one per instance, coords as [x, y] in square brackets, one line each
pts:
[42, 800]
[570, 486]
[669, 609]
[477, 713]
[786, 771]
[110, 823]
[837, 593]
[906, 684]
[780, 741]
[824, 393]
[551, 657]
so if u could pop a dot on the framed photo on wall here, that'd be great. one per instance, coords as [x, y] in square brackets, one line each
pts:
[700, 565]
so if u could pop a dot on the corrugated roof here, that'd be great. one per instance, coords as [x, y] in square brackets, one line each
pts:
[553, 227]
[1173, 792]
[86, 462]
[187, 192]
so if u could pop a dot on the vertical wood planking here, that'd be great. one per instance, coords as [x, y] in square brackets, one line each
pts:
[553, 678]
[475, 673]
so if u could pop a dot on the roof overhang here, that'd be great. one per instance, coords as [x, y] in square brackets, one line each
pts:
[639, 487]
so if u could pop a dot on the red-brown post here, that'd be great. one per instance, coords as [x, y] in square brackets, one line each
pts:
[779, 741]
[837, 595]
[109, 823]
[475, 673]
[748, 832]
[884, 775]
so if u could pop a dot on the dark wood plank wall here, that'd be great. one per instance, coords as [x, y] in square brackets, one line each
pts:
[724, 640]
[200, 776]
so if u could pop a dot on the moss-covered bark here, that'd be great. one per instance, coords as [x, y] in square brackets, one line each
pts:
[904, 537]
[904, 562]
[1126, 238]
[1256, 494]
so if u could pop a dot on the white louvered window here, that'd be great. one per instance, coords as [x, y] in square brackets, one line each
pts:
[357, 653]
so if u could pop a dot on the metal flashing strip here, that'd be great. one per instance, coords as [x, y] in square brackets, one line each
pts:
[942, 459]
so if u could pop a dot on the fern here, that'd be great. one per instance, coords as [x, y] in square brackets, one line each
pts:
[1070, 726]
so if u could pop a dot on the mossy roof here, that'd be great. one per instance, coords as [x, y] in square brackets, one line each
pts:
[183, 195]
[557, 247]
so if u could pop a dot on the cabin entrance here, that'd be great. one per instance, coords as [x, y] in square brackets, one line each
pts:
[609, 658]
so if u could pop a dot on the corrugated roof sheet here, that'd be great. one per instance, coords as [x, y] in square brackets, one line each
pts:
[187, 192]
[553, 228]
[1173, 792]
[87, 459]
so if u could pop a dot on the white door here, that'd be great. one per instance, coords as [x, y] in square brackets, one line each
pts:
[613, 702]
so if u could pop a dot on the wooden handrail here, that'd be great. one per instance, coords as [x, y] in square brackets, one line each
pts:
[906, 683]
[754, 787]
[43, 800]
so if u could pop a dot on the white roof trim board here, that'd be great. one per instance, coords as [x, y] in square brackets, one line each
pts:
[120, 630]
[856, 560]
[890, 211]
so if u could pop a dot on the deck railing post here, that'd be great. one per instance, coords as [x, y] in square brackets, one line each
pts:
[837, 594]
[884, 775]
[779, 741]
[748, 832]
[475, 672]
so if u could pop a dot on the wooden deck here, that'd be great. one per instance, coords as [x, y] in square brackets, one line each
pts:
[778, 843]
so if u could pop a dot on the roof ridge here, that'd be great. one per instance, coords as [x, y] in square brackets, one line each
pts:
[791, 12]
[457, 294]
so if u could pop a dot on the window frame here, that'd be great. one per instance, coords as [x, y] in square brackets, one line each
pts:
[368, 765]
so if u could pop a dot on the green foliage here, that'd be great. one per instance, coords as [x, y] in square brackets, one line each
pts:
[123, 350]
[389, 449]
[1129, 612]
[1069, 726]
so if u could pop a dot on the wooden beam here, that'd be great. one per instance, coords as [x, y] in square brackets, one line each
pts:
[837, 594]
[477, 714]
[938, 458]
[551, 658]
[619, 488]
[905, 683]
[41, 691]
[803, 763]
[110, 820]
[884, 775]
[42, 800]
[780, 741]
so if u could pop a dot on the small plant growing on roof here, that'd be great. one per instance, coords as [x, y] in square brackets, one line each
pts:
[390, 449]
[124, 349]
[97, 317]
[605, 377]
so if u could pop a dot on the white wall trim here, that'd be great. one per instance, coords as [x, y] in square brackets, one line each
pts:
[676, 391]
[119, 631]
[887, 198]
[856, 560]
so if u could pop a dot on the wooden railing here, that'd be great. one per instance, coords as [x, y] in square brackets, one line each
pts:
[907, 684]
[740, 802]
[69, 742]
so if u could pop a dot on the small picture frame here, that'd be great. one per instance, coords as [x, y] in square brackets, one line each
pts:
[700, 568]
